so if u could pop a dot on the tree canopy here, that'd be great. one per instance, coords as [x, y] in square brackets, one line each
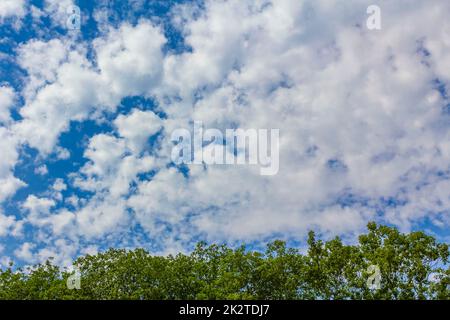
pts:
[412, 266]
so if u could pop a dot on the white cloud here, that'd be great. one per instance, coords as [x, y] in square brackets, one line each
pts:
[12, 8]
[69, 88]
[62, 153]
[337, 92]
[8, 183]
[41, 61]
[58, 10]
[101, 217]
[25, 252]
[105, 153]
[137, 127]
[41, 170]
[130, 58]
[6, 224]
[61, 221]
[114, 164]
[359, 115]
[62, 252]
[72, 97]
[40, 215]
[59, 185]
[7, 97]
[90, 250]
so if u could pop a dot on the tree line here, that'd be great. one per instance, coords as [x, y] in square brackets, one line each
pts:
[411, 266]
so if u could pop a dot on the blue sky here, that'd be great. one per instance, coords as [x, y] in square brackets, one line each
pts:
[86, 117]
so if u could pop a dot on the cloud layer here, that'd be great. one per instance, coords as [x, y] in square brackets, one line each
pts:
[363, 118]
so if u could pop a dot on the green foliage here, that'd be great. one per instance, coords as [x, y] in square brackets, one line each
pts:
[412, 266]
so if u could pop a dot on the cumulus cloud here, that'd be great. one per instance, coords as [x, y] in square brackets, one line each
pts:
[360, 116]
[137, 128]
[363, 119]
[41, 170]
[41, 61]
[12, 8]
[7, 97]
[38, 209]
[8, 183]
[114, 165]
[25, 252]
[130, 58]
[70, 88]
[340, 94]
[58, 10]
[6, 224]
